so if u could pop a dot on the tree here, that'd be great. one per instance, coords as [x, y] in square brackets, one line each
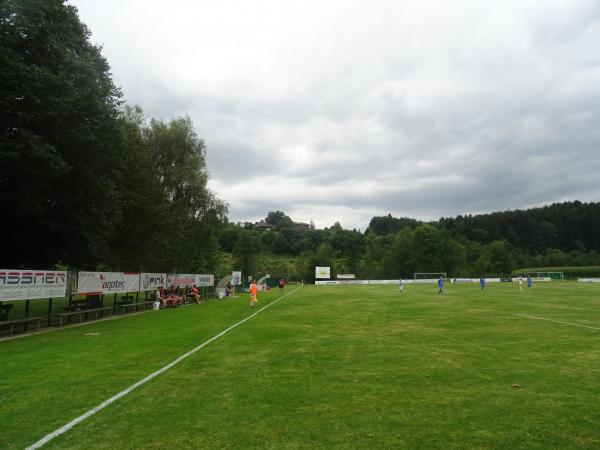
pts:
[403, 256]
[245, 252]
[428, 242]
[194, 213]
[497, 259]
[143, 223]
[59, 138]
[278, 218]
[280, 245]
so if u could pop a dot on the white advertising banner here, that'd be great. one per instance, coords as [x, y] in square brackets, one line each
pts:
[205, 280]
[345, 276]
[465, 280]
[31, 284]
[588, 280]
[132, 281]
[322, 272]
[106, 282]
[236, 278]
[181, 279]
[152, 281]
[356, 282]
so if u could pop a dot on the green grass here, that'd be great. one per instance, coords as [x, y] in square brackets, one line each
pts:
[325, 367]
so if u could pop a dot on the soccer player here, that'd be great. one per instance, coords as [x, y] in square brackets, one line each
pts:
[529, 281]
[440, 285]
[401, 286]
[520, 282]
[482, 282]
[253, 294]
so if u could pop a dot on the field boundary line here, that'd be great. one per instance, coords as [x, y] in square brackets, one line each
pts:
[573, 324]
[550, 305]
[153, 375]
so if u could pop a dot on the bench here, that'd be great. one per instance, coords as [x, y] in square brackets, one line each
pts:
[125, 307]
[5, 311]
[11, 323]
[126, 300]
[81, 313]
[76, 305]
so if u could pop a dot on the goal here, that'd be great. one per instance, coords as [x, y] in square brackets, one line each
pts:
[429, 275]
[551, 275]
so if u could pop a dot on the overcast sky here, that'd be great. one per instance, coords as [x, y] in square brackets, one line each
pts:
[342, 110]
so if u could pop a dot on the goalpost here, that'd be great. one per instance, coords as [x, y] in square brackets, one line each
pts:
[551, 275]
[429, 275]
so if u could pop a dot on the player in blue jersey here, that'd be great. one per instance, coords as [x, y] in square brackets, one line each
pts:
[440, 285]
[482, 282]
[529, 281]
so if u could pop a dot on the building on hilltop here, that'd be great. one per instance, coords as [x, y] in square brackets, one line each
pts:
[262, 225]
[266, 226]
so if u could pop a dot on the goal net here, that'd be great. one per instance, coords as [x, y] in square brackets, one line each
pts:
[551, 275]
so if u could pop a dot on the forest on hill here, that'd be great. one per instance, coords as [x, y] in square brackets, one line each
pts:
[561, 234]
[89, 183]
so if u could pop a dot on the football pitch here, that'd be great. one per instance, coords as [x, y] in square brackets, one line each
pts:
[323, 367]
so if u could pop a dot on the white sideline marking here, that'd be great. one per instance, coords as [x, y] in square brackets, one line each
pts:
[558, 321]
[124, 392]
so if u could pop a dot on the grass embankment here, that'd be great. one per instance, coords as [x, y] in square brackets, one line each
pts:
[326, 367]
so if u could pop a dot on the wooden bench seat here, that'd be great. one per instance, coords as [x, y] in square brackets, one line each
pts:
[126, 300]
[134, 306]
[11, 323]
[83, 312]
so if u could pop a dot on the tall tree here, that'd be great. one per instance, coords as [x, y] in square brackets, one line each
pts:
[194, 214]
[58, 136]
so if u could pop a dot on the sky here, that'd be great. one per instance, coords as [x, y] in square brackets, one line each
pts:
[338, 111]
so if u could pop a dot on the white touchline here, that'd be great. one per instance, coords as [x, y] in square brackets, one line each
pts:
[558, 321]
[124, 392]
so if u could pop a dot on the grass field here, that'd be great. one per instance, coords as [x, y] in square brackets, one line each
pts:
[324, 367]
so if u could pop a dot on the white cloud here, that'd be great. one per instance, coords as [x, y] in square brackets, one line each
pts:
[338, 111]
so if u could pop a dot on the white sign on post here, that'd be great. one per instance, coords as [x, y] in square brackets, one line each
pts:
[107, 282]
[322, 272]
[181, 279]
[236, 278]
[30, 284]
[205, 280]
[152, 281]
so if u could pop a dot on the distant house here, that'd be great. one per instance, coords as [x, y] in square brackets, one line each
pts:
[262, 225]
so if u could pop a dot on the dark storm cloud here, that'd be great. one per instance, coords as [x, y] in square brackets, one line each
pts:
[423, 109]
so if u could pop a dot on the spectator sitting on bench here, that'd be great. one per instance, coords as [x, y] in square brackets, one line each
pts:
[161, 297]
[194, 294]
[173, 298]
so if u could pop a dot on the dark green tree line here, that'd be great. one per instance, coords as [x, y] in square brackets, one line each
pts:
[84, 182]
